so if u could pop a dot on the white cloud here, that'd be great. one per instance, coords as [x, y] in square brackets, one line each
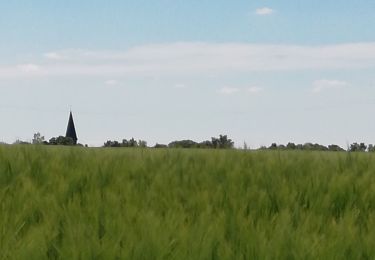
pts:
[228, 90]
[53, 56]
[29, 68]
[264, 11]
[180, 86]
[111, 82]
[233, 90]
[325, 84]
[194, 58]
[254, 90]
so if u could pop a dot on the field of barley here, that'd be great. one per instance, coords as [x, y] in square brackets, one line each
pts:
[95, 203]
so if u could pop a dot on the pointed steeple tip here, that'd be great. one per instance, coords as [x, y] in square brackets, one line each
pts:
[71, 130]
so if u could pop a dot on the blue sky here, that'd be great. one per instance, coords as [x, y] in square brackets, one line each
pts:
[259, 71]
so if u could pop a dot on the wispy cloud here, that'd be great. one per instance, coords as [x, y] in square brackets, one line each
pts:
[264, 11]
[228, 90]
[53, 56]
[180, 86]
[232, 90]
[111, 82]
[254, 90]
[194, 58]
[29, 68]
[325, 84]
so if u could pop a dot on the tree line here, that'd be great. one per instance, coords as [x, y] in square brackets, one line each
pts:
[220, 142]
[354, 147]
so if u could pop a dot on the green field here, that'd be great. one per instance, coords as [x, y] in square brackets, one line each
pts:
[77, 203]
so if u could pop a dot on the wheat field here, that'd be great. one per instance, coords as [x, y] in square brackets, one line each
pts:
[96, 203]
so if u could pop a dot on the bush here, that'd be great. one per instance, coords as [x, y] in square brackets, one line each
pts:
[61, 140]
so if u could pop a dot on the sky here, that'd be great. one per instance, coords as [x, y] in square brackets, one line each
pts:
[259, 71]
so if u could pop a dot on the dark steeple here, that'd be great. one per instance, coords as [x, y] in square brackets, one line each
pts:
[71, 130]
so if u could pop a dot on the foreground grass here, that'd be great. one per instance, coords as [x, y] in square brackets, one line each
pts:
[75, 203]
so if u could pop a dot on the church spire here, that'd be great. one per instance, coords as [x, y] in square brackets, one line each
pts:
[71, 130]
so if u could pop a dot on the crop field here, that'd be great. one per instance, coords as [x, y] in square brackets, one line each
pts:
[95, 203]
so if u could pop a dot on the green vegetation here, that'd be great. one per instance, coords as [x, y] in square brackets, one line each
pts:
[222, 142]
[78, 203]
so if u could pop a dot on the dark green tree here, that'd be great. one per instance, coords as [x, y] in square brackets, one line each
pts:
[273, 146]
[183, 144]
[223, 142]
[335, 148]
[61, 140]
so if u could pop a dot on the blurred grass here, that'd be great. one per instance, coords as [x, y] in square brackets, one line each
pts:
[77, 203]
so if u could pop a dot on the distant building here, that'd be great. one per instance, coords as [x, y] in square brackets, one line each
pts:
[71, 130]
